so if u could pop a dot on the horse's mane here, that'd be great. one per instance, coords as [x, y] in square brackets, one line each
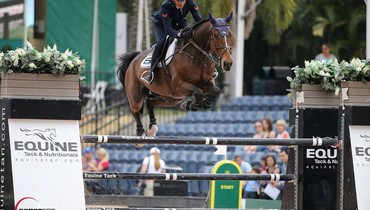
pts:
[195, 25]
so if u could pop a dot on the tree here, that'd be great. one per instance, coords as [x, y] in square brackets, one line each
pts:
[338, 22]
[276, 17]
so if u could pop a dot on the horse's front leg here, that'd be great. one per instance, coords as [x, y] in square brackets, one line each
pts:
[187, 89]
[211, 96]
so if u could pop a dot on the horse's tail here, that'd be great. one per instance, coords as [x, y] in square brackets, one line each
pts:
[125, 61]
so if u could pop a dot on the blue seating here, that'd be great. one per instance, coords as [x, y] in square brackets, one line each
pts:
[236, 119]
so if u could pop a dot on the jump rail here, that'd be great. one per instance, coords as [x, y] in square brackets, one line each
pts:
[189, 176]
[315, 141]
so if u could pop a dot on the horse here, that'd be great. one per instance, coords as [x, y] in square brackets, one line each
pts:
[188, 77]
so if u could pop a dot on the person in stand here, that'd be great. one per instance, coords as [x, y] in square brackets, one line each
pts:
[325, 53]
[244, 166]
[281, 129]
[251, 187]
[284, 154]
[267, 128]
[87, 159]
[151, 164]
[103, 161]
[101, 165]
[257, 135]
[271, 168]
[170, 20]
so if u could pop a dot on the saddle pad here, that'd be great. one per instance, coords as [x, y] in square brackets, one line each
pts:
[145, 64]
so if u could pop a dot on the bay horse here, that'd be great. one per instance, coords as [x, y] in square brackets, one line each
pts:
[189, 74]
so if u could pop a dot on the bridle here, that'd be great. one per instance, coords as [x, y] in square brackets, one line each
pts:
[224, 32]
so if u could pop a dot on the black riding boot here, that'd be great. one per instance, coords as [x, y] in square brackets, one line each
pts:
[148, 76]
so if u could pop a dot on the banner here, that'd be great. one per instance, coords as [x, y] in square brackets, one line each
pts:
[46, 164]
[360, 143]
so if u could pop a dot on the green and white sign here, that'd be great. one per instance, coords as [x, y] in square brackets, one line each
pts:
[226, 193]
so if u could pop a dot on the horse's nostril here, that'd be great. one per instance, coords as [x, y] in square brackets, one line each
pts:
[226, 64]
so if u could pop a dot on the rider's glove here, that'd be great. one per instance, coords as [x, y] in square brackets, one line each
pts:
[185, 34]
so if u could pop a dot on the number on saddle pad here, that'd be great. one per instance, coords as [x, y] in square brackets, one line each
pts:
[145, 64]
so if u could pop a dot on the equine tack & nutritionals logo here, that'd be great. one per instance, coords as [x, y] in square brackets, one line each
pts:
[364, 151]
[43, 143]
[31, 203]
[322, 158]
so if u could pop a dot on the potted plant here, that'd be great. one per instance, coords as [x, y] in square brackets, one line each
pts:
[319, 83]
[51, 74]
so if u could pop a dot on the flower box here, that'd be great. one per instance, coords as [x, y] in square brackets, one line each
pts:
[40, 86]
[355, 93]
[313, 96]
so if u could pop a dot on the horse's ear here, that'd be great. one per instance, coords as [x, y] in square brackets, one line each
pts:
[211, 18]
[229, 17]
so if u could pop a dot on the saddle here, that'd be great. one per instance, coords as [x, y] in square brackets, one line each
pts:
[167, 50]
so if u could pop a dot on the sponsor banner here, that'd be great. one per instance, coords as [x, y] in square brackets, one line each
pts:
[360, 143]
[6, 177]
[46, 163]
[323, 158]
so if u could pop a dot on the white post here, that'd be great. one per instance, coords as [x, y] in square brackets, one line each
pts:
[95, 45]
[367, 29]
[139, 39]
[240, 49]
[25, 5]
[147, 31]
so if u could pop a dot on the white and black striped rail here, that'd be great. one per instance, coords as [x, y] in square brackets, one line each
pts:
[188, 176]
[315, 141]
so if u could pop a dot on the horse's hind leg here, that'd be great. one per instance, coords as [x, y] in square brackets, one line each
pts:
[153, 127]
[151, 102]
[139, 125]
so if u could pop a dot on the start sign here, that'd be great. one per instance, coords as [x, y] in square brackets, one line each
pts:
[226, 193]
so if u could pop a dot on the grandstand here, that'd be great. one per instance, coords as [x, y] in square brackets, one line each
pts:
[236, 119]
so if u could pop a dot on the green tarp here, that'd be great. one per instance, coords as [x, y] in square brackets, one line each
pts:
[70, 25]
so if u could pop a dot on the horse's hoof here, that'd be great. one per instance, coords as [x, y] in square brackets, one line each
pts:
[153, 130]
[185, 105]
[139, 145]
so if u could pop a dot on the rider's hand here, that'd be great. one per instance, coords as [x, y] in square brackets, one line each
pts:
[185, 34]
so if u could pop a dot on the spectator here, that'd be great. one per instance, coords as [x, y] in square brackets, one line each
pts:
[258, 134]
[267, 128]
[262, 165]
[151, 164]
[271, 168]
[244, 166]
[281, 129]
[103, 161]
[252, 187]
[87, 159]
[325, 53]
[93, 186]
[258, 129]
[284, 159]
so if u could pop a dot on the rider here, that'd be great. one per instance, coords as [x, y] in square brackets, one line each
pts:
[170, 20]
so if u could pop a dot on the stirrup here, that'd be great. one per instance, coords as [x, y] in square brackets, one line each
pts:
[215, 74]
[152, 76]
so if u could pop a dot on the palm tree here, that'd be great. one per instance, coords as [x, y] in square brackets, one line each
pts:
[276, 17]
[340, 23]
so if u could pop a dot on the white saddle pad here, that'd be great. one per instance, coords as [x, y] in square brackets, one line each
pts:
[145, 64]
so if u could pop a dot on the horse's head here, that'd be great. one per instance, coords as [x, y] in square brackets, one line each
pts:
[221, 40]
